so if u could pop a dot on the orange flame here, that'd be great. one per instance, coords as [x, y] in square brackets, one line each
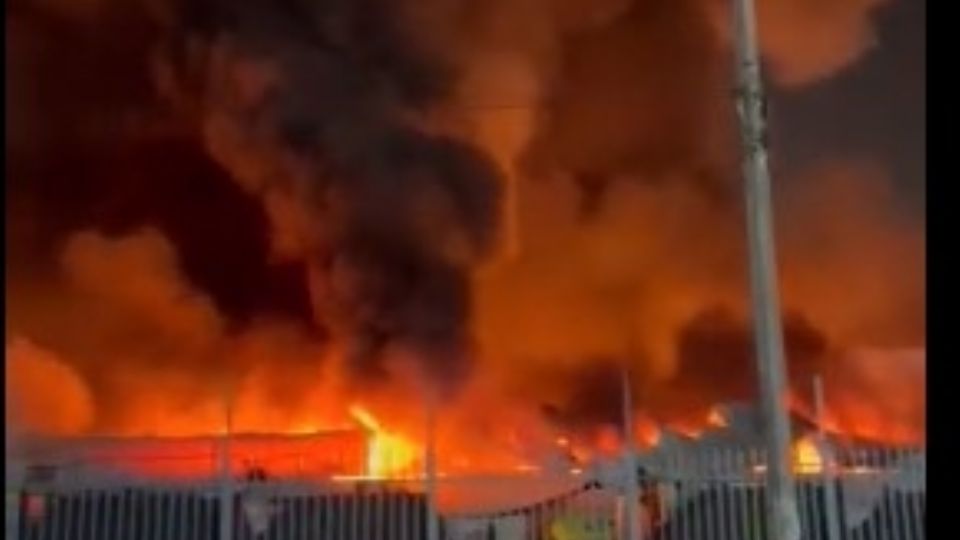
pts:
[806, 457]
[388, 454]
[716, 418]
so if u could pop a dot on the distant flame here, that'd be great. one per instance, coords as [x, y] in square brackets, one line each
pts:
[717, 419]
[650, 437]
[807, 458]
[388, 454]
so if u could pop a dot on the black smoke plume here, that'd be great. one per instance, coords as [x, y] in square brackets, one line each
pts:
[328, 99]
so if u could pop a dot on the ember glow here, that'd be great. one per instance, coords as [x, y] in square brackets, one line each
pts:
[325, 215]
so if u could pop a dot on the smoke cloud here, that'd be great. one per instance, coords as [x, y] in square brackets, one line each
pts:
[301, 199]
[806, 42]
[124, 306]
[315, 109]
[44, 394]
[657, 281]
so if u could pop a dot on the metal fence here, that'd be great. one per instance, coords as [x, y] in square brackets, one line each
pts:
[717, 493]
[269, 511]
[695, 493]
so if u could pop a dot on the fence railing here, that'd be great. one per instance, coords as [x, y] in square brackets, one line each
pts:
[717, 493]
[691, 493]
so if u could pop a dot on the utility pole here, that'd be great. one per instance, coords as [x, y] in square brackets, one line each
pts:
[768, 339]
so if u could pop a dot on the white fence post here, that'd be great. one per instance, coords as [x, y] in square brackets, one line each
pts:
[430, 470]
[14, 494]
[828, 469]
[629, 526]
[226, 474]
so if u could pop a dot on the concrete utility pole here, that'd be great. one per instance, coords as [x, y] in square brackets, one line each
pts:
[751, 105]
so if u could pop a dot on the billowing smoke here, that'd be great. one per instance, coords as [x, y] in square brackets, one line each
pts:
[509, 198]
[319, 107]
[43, 393]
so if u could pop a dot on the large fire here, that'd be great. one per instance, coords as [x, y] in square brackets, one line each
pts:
[313, 219]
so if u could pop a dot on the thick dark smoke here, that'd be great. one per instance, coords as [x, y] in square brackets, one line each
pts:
[321, 165]
[650, 88]
[715, 365]
[594, 399]
[328, 95]
[715, 351]
[91, 146]
[170, 184]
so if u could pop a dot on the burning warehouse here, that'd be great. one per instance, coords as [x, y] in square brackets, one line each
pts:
[335, 208]
[319, 455]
